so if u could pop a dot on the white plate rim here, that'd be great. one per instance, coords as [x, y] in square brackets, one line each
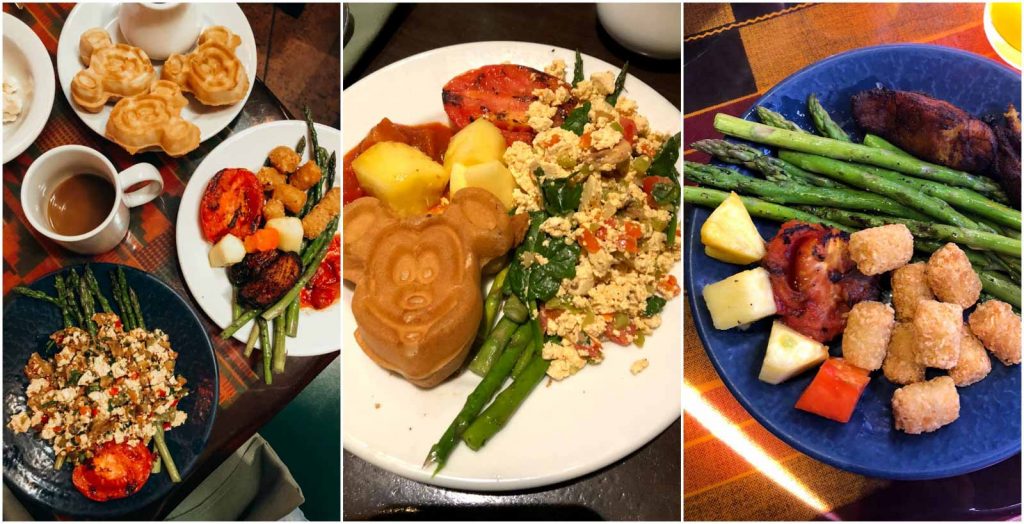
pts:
[43, 86]
[666, 417]
[188, 239]
[229, 14]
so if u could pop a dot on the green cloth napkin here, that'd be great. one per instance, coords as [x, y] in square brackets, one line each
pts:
[367, 20]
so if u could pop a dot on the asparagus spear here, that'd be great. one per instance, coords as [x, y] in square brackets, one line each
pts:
[577, 69]
[881, 143]
[492, 304]
[942, 232]
[790, 193]
[38, 295]
[165, 454]
[66, 310]
[840, 150]
[996, 286]
[505, 404]
[267, 351]
[978, 260]
[280, 353]
[771, 118]
[94, 287]
[493, 346]
[702, 196]
[773, 168]
[823, 122]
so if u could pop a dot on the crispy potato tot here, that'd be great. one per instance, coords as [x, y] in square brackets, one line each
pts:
[900, 365]
[272, 209]
[926, 406]
[910, 286]
[285, 159]
[952, 278]
[292, 198]
[306, 176]
[270, 177]
[998, 328]
[868, 329]
[974, 363]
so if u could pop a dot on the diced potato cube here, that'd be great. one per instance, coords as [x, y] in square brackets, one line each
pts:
[492, 176]
[403, 177]
[476, 143]
[289, 231]
[729, 234]
[740, 299]
[789, 354]
[227, 251]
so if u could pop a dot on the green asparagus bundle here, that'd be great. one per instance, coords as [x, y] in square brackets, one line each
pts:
[823, 122]
[772, 168]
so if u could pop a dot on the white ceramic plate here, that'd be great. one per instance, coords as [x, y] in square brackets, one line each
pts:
[211, 120]
[318, 330]
[562, 431]
[26, 59]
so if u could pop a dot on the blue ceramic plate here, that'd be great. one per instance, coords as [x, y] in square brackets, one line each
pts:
[988, 430]
[28, 460]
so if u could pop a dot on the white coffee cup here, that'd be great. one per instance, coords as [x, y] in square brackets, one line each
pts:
[649, 29]
[59, 164]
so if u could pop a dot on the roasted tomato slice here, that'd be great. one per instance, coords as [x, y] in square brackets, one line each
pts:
[501, 93]
[814, 281]
[232, 203]
[115, 471]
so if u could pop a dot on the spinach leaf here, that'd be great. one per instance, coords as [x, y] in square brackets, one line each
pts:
[620, 83]
[666, 193]
[517, 281]
[577, 70]
[561, 196]
[577, 119]
[562, 257]
[654, 305]
[664, 163]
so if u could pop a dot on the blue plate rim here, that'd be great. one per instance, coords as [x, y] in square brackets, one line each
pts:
[692, 293]
[214, 406]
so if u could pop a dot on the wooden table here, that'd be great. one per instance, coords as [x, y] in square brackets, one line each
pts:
[644, 485]
[246, 403]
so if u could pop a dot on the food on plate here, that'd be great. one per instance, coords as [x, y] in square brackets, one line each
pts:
[14, 99]
[994, 322]
[273, 208]
[107, 393]
[417, 299]
[813, 279]
[112, 71]
[937, 333]
[741, 299]
[930, 129]
[269, 176]
[325, 211]
[729, 234]
[232, 203]
[1006, 164]
[973, 364]
[229, 250]
[289, 230]
[492, 176]
[505, 95]
[153, 119]
[639, 366]
[952, 278]
[789, 354]
[265, 239]
[924, 407]
[835, 390]
[432, 139]
[900, 365]
[476, 143]
[284, 159]
[263, 277]
[293, 198]
[402, 176]
[306, 176]
[212, 72]
[910, 286]
[882, 249]
[866, 337]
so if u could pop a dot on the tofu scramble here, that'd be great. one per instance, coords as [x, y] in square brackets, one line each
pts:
[116, 388]
[623, 276]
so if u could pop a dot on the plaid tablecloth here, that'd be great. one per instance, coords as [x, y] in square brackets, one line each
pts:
[150, 242]
[756, 46]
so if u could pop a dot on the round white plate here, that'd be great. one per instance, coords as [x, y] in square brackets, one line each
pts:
[318, 330]
[209, 119]
[563, 430]
[26, 59]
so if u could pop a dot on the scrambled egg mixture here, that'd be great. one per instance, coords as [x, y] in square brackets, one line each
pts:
[626, 258]
[91, 392]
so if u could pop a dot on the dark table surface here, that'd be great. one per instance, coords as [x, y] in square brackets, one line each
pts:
[246, 403]
[646, 484]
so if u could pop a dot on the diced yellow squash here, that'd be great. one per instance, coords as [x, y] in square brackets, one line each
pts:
[740, 299]
[492, 176]
[729, 234]
[403, 177]
[479, 142]
[789, 354]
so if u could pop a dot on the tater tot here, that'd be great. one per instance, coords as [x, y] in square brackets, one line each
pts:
[900, 365]
[273, 208]
[322, 213]
[952, 278]
[880, 249]
[270, 177]
[306, 176]
[923, 407]
[292, 198]
[998, 328]
[867, 333]
[937, 333]
[910, 286]
[973, 364]
[285, 159]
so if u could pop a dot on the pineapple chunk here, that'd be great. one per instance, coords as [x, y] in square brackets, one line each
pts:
[476, 143]
[740, 299]
[492, 176]
[729, 234]
[789, 354]
[403, 177]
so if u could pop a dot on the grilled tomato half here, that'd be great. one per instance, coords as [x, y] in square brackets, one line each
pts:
[232, 203]
[114, 472]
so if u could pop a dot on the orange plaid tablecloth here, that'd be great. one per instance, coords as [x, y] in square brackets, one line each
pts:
[734, 53]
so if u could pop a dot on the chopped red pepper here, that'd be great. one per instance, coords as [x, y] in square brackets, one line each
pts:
[114, 390]
[590, 242]
[835, 390]
[628, 129]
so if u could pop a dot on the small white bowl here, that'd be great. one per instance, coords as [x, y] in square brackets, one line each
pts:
[26, 59]
[653, 30]
[160, 28]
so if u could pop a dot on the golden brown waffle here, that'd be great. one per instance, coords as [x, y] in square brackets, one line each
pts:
[212, 72]
[112, 71]
[153, 119]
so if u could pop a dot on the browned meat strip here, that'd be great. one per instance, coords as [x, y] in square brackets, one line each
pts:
[925, 127]
[275, 279]
[1006, 164]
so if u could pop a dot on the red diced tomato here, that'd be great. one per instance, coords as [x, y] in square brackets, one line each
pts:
[628, 129]
[114, 390]
[585, 141]
[835, 390]
[590, 242]
[669, 286]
